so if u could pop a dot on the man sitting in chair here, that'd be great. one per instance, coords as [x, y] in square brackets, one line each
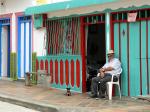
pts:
[113, 66]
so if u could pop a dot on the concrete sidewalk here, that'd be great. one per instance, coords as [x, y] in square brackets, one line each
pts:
[54, 100]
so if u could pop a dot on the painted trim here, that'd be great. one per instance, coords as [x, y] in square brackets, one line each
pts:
[8, 53]
[65, 5]
[140, 60]
[82, 31]
[18, 41]
[128, 53]
[119, 42]
[32, 34]
[30, 49]
[9, 15]
[19, 48]
[147, 33]
[24, 46]
[0, 49]
[17, 14]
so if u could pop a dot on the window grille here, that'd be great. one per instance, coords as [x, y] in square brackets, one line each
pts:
[63, 36]
[123, 16]
[4, 21]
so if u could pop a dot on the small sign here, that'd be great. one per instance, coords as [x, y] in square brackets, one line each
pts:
[132, 17]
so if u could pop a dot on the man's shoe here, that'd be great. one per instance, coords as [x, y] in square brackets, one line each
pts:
[93, 95]
[102, 96]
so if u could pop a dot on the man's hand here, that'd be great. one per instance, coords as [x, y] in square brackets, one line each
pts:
[102, 72]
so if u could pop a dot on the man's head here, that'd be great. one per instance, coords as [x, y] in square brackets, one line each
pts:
[110, 55]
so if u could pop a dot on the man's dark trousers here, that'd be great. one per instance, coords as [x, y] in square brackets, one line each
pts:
[102, 85]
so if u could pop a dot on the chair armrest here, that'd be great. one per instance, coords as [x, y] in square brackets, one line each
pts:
[113, 77]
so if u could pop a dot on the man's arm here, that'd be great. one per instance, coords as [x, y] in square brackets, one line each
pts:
[108, 69]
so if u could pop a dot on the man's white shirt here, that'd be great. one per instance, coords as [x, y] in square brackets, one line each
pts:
[114, 63]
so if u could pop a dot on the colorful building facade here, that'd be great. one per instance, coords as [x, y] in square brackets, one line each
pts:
[76, 34]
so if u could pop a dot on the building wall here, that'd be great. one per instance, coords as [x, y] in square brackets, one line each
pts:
[10, 6]
[101, 7]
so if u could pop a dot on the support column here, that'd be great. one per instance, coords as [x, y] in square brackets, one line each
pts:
[107, 31]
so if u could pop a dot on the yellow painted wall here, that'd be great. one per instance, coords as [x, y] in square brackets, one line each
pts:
[39, 2]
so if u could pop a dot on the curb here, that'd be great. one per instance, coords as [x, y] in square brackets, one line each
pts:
[29, 104]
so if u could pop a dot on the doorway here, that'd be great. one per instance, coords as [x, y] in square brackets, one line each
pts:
[24, 52]
[5, 51]
[96, 50]
[96, 45]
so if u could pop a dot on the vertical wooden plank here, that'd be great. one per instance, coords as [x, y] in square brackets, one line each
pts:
[143, 58]
[124, 76]
[78, 73]
[128, 59]
[61, 72]
[51, 71]
[67, 72]
[46, 66]
[134, 58]
[41, 65]
[72, 73]
[149, 55]
[147, 33]
[116, 39]
[56, 71]
[48, 37]
[116, 44]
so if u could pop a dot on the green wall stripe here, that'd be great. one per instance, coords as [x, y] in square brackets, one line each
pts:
[134, 60]
[124, 77]
[143, 56]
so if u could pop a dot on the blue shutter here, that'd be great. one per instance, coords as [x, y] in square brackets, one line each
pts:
[0, 48]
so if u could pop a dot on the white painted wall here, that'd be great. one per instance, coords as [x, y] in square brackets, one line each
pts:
[39, 41]
[4, 50]
[14, 6]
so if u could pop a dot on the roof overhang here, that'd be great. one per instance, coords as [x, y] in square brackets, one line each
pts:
[64, 6]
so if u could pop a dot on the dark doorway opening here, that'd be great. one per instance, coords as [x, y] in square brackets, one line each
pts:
[96, 49]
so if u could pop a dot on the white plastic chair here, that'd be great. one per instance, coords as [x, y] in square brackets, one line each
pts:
[110, 85]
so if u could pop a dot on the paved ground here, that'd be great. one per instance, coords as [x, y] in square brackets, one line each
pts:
[76, 103]
[7, 107]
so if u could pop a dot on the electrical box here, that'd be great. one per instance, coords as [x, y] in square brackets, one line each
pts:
[39, 20]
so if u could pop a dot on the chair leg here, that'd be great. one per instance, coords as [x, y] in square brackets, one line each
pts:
[110, 91]
[119, 91]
